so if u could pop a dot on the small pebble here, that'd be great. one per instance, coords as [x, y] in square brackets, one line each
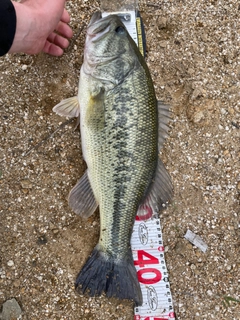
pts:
[26, 184]
[11, 310]
[10, 263]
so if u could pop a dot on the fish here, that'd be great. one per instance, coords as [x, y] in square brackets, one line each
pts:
[123, 128]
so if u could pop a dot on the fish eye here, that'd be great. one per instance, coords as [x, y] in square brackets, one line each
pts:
[120, 30]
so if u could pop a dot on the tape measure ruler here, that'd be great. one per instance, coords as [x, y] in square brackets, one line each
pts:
[148, 255]
[146, 243]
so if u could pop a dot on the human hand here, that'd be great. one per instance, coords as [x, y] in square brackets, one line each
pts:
[42, 25]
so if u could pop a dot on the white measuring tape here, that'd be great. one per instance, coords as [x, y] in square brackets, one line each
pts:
[146, 243]
[148, 256]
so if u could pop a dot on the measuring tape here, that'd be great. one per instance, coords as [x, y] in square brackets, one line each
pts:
[148, 255]
[146, 242]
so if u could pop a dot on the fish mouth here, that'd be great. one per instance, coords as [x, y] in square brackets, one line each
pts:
[98, 26]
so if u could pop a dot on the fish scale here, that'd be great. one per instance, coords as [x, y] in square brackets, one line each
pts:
[108, 158]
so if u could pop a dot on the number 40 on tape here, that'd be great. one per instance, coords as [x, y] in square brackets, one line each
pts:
[148, 256]
[141, 262]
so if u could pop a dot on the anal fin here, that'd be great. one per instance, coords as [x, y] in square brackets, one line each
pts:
[81, 198]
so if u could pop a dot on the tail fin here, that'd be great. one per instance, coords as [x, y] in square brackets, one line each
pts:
[118, 278]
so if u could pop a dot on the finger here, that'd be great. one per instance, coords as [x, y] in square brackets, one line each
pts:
[65, 16]
[64, 30]
[58, 40]
[52, 49]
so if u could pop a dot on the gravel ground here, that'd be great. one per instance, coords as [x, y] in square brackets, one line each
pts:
[193, 52]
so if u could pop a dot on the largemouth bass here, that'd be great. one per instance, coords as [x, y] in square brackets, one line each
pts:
[122, 130]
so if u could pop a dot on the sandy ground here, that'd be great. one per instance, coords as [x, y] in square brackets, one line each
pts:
[194, 58]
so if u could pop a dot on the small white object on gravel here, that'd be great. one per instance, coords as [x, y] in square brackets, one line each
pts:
[196, 240]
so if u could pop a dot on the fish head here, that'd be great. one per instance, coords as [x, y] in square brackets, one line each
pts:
[109, 53]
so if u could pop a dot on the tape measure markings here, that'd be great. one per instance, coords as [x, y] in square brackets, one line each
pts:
[148, 256]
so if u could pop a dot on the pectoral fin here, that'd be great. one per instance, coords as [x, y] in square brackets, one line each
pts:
[68, 107]
[81, 198]
[158, 195]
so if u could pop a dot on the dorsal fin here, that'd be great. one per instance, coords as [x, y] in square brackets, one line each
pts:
[164, 116]
[160, 190]
[158, 195]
